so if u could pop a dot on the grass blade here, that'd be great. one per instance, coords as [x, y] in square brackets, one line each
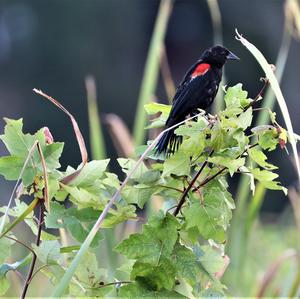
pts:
[120, 135]
[96, 135]
[22, 216]
[239, 231]
[278, 93]
[151, 70]
[216, 18]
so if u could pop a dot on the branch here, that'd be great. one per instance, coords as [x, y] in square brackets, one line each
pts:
[184, 194]
[37, 242]
[261, 92]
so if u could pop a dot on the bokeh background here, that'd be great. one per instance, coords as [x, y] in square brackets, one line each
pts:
[53, 45]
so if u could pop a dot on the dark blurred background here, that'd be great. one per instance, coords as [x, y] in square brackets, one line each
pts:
[53, 45]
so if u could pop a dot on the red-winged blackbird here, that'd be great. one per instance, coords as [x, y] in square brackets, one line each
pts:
[196, 91]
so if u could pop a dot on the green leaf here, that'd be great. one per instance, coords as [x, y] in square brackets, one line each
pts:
[211, 260]
[178, 164]
[236, 97]
[192, 128]
[153, 108]
[93, 196]
[73, 220]
[266, 178]
[212, 213]
[138, 194]
[260, 158]
[268, 139]
[18, 143]
[140, 290]
[48, 252]
[186, 263]
[19, 146]
[193, 146]
[128, 164]
[91, 278]
[156, 240]
[91, 171]
[232, 164]
[244, 120]
[156, 277]
[119, 215]
[52, 153]
[111, 180]
[12, 173]
[211, 293]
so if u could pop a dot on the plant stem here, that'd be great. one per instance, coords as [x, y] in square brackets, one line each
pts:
[37, 242]
[184, 194]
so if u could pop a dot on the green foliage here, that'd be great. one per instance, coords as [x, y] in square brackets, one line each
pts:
[178, 252]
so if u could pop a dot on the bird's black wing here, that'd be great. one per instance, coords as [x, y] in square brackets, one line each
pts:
[186, 79]
[196, 93]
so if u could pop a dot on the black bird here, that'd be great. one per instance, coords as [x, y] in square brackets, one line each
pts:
[196, 91]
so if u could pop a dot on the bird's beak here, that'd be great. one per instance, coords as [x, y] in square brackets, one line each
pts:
[231, 56]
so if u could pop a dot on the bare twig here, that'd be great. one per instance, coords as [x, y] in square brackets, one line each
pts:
[261, 92]
[21, 243]
[46, 188]
[37, 242]
[186, 191]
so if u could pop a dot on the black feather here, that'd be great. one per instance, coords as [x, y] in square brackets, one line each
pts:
[196, 91]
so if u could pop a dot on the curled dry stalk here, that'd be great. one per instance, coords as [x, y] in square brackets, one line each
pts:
[79, 137]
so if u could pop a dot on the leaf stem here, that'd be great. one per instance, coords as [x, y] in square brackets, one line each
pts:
[37, 242]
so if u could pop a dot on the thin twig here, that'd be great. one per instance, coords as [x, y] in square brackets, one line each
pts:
[36, 272]
[21, 243]
[204, 182]
[37, 242]
[207, 180]
[261, 92]
[113, 283]
[184, 194]
[171, 188]
[46, 188]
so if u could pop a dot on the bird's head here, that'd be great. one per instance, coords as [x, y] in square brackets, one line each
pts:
[217, 56]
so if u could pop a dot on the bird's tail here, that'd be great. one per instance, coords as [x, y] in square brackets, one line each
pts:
[168, 143]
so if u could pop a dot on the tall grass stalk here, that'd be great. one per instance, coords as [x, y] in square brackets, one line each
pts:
[216, 18]
[151, 71]
[96, 135]
[245, 213]
[98, 152]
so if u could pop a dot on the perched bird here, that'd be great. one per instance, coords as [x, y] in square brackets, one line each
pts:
[196, 91]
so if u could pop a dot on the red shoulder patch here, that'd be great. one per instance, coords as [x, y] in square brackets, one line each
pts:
[201, 69]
